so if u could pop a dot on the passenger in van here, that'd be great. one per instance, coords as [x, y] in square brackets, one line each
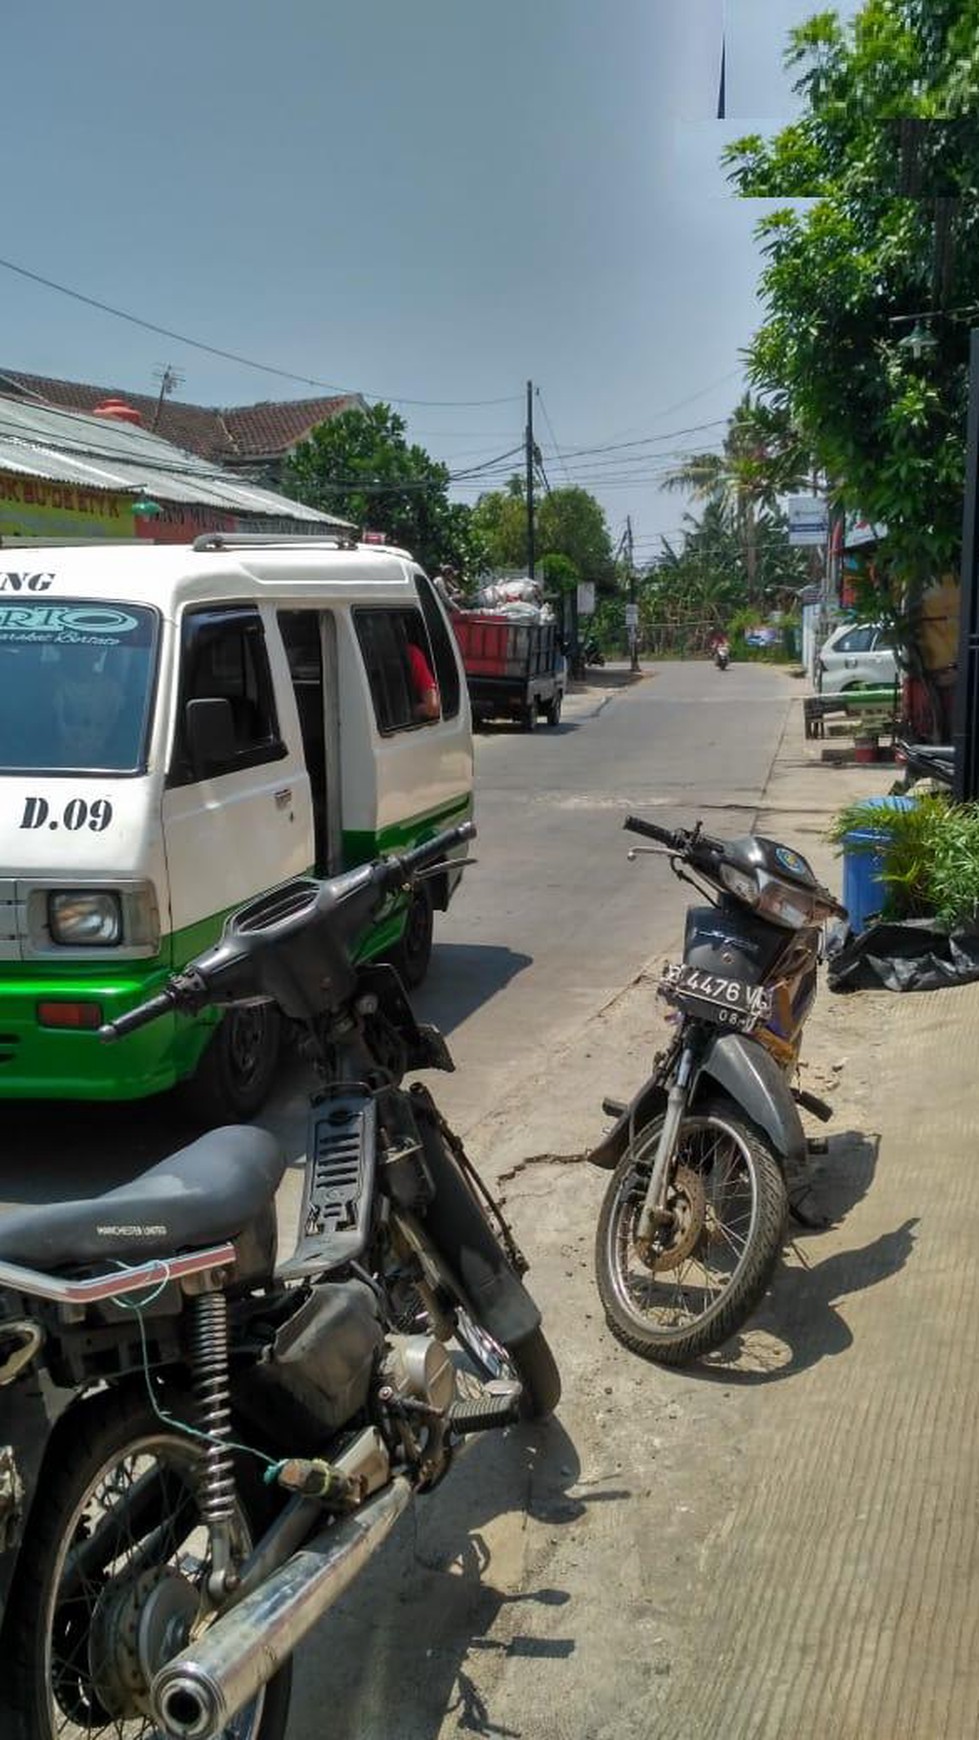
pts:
[86, 703]
[424, 687]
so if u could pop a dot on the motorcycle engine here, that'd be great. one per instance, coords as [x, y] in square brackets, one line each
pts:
[418, 1387]
[420, 1369]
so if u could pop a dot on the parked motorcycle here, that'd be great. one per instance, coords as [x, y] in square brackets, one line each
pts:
[704, 1156]
[200, 1449]
[722, 655]
[586, 652]
[927, 761]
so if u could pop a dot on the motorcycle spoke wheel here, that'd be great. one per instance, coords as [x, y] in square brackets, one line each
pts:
[697, 1283]
[110, 1582]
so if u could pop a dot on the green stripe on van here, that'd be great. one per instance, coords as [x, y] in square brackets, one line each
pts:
[362, 844]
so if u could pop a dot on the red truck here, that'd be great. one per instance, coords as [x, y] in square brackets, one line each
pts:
[514, 669]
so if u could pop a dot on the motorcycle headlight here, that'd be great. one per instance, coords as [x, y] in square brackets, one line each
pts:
[740, 883]
[85, 918]
[785, 905]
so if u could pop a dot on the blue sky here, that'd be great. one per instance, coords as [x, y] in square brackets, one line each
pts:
[426, 202]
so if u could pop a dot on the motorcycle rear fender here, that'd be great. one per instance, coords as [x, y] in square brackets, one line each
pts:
[747, 1074]
[462, 1235]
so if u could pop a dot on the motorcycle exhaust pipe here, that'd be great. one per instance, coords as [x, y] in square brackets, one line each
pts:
[200, 1692]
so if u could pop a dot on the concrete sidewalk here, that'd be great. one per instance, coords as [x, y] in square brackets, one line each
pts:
[801, 1550]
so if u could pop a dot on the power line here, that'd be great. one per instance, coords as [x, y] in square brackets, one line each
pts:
[550, 426]
[235, 357]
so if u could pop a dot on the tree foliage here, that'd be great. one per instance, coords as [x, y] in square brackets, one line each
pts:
[361, 467]
[762, 459]
[886, 155]
[703, 584]
[500, 521]
[569, 523]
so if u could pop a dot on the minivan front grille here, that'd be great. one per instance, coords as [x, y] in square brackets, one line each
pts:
[10, 938]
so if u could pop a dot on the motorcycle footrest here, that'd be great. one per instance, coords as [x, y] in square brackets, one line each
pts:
[812, 1103]
[614, 1108]
[484, 1413]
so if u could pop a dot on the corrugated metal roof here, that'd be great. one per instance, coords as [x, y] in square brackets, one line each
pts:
[97, 453]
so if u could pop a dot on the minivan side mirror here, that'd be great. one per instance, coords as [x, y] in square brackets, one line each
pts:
[209, 728]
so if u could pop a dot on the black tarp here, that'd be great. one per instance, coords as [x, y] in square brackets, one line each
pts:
[914, 955]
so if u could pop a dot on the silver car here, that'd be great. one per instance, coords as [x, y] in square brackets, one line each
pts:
[857, 655]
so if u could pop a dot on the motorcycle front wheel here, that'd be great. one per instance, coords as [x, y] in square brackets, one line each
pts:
[115, 1555]
[532, 1362]
[688, 1292]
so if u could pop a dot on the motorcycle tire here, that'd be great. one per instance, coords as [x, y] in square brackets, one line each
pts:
[706, 1133]
[51, 1688]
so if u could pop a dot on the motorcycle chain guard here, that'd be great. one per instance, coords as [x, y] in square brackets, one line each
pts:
[339, 1185]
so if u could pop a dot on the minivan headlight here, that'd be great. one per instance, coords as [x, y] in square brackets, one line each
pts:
[83, 918]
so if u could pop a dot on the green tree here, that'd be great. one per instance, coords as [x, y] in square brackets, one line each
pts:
[886, 155]
[763, 458]
[702, 584]
[569, 522]
[361, 467]
[500, 521]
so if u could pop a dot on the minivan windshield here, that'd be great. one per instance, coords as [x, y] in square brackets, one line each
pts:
[76, 684]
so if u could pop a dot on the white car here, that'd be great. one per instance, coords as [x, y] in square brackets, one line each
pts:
[856, 655]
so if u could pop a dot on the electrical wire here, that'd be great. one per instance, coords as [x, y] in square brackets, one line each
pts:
[236, 357]
[560, 455]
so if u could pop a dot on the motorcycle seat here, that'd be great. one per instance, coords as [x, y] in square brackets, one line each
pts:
[205, 1194]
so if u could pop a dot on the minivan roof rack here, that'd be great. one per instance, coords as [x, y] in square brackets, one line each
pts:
[271, 540]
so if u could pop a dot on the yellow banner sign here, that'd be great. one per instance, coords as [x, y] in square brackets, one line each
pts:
[35, 507]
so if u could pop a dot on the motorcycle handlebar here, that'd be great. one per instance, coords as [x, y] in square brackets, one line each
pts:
[192, 990]
[400, 868]
[675, 839]
[138, 1017]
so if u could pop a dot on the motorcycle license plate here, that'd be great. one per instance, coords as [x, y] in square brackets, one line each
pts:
[728, 1002]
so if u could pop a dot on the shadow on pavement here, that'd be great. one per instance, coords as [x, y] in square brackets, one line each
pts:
[406, 1644]
[58, 1148]
[798, 1324]
[462, 977]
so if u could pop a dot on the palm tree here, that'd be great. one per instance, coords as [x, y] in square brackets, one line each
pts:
[762, 459]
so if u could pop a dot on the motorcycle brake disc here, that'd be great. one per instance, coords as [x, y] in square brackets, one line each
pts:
[687, 1203]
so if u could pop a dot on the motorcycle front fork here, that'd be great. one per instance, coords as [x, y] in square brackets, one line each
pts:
[655, 1213]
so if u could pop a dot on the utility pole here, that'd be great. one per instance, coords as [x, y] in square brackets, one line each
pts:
[632, 608]
[169, 381]
[965, 734]
[530, 479]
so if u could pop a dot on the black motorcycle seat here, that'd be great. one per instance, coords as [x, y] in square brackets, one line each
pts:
[205, 1194]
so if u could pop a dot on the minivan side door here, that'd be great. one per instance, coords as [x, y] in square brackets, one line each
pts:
[247, 824]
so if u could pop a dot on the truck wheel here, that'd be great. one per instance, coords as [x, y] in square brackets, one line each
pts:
[528, 718]
[552, 711]
[235, 1075]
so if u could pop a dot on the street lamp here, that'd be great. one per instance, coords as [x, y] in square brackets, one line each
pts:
[920, 341]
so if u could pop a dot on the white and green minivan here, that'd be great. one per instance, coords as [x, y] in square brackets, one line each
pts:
[182, 728]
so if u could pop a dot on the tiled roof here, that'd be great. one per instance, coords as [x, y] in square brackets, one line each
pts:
[276, 425]
[239, 434]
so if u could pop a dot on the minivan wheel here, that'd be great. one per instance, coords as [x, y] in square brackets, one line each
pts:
[235, 1075]
[412, 954]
